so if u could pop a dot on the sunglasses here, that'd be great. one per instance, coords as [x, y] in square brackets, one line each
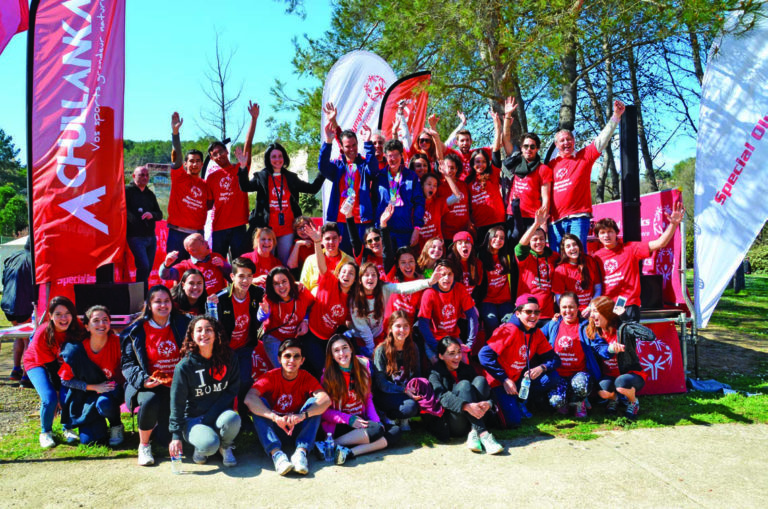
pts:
[373, 240]
[529, 312]
[424, 140]
[530, 146]
[289, 356]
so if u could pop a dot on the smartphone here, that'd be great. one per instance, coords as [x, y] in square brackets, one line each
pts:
[621, 303]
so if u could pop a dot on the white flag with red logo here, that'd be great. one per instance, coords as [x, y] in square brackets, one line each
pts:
[731, 158]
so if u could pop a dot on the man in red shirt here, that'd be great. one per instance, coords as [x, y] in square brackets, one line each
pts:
[214, 267]
[190, 198]
[571, 193]
[230, 203]
[287, 401]
[620, 261]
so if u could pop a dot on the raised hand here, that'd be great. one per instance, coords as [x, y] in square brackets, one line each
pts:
[462, 117]
[171, 257]
[330, 132]
[510, 106]
[253, 109]
[176, 122]
[312, 232]
[387, 215]
[541, 217]
[677, 215]
[433, 120]
[330, 113]
[365, 133]
[240, 155]
[494, 116]
[618, 108]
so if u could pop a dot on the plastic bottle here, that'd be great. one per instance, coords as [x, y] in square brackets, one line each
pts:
[330, 448]
[212, 309]
[524, 386]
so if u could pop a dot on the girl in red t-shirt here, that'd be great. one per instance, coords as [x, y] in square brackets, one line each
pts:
[91, 371]
[536, 263]
[42, 361]
[432, 251]
[351, 418]
[486, 205]
[495, 299]
[264, 242]
[464, 255]
[576, 272]
[189, 295]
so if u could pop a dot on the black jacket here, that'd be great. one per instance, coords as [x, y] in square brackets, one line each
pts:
[134, 354]
[442, 383]
[226, 312]
[259, 216]
[18, 286]
[146, 200]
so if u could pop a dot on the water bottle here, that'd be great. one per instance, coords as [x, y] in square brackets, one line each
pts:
[330, 448]
[212, 310]
[176, 464]
[524, 386]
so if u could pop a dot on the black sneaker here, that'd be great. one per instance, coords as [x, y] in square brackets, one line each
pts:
[16, 374]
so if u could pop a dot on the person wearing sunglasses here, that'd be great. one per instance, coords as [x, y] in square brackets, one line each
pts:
[517, 350]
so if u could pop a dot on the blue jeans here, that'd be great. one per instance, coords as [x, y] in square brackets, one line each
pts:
[346, 242]
[272, 436]
[400, 238]
[245, 362]
[143, 249]
[396, 405]
[578, 226]
[50, 397]
[271, 346]
[284, 247]
[108, 407]
[491, 314]
[206, 439]
[231, 239]
[510, 405]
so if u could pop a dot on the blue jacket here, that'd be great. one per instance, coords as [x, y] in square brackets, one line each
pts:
[335, 170]
[593, 368]
[412, 212]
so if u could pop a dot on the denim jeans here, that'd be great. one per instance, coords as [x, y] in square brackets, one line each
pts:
[578, 226]
[272, 436]
[143, 249]
[396, 405]
[284, 247]
[206, 439]
[108, 407]
[234, 240]
[50, 397]
[574, 388]
[491, 315]
[271, 346]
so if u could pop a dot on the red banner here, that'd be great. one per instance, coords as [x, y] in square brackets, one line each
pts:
[664, 262]
[662, 360]
[77, 88]
[411, 91]
[14, 18]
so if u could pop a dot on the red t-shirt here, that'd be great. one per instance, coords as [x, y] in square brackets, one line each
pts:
[263, 263]
[465, 169]
[188, 202]
[435, 209]
[407, 302]
[343, 193]
[536, 279]
[567, 278]
[212, 269]
[571, 192]
[230, 203]
[304, 253]
[621, 270]
[38, 353]
[108, 359]
[568, 347]
[240, 334]
[499, 291]
[351, 405]
[610, 366]
[465, 275]
[162, 351]
[259, 362]
[443, 309]
[486, 202]
[286, 396]
[279, 196]
[514, 350]
[456, 218]
[528, 189]
[378, 261]
[331, 307]
[285, 317]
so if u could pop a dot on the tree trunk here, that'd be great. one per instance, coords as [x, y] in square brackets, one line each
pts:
[568, 90]
[696, 52]
[644, 150]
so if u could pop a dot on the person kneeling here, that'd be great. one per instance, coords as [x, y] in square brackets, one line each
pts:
[287, 401]
[203, 392]
[465, 397]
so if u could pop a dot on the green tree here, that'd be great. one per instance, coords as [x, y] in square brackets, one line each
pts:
[12, 173]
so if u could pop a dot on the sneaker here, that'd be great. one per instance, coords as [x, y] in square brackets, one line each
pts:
[524, 410]
[145, 455]
[490, 444]
[282, 464]
[473, 442]
[25, 382]
[70, 436]
[115, 435]
[342, 453]
[581, 409]
[227, 456]
[16, 374]
[610, 407]
[300, 462]
[199, 457]
[632, 410]
[405, 425]
[46, 440]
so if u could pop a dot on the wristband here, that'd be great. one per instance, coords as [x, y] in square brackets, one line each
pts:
[306, 415]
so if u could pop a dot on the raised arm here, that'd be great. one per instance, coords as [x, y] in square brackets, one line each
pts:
[539, 221]
[496, 130]
[432, 131]
[675, 218]
[510, 106]
[253, 111]
[176, 122]
[314, 235]
[604, 138]
[462, 124]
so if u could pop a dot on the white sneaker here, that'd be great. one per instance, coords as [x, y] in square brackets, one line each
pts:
[70, 436]
[300, 462]
[490, 444]
[115, 435]
[282, 464]
[199, 457]
[145, 455]
[227, 457]
[46, 440]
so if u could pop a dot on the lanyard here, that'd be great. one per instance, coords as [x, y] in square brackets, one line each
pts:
[349, 178]
[394, 189]
[278, 193]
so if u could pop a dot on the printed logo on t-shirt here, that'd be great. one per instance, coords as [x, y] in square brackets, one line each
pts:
[523, 352]
[259, 364]
[166, 348]
[611, 266]
[449, 311]
[427, 217]
[208, 275]
[564, 343]
[337, 311]
[219, 373]
[241, 321]
[562, 173]
[289, 322]
[195, 191]
[107, 373]
[284, 402]
[225, 183]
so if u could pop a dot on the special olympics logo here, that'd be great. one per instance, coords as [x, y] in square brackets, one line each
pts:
[523, 352]
[291, 319]
[562, 173]
[241, 321]
[284, 402]
[655, 357]
[375, 87]
[611, 266]
[208, 275]
[565, 343]
[427, 217]
[166, 348]
[665, 259]
[659, 221]
[700, 283]
[449, 311]
[226, 182]
[107, 373]
[337, 311]
[196, 192]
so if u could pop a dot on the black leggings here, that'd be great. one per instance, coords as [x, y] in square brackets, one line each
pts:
[374, 431]
[625, 381]
[454, 424]
[155, 410]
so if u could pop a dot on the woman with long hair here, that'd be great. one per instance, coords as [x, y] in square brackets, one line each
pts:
[433, 250]
[42, 361]
[205, 384]
[616, 345]
[435, 206]
[189, 295]
[536, 263]
[576, 272]
[351, 418]
[277, 197]
[397, 362]
[302, 248]
[463, 254]
[496, 301]
[486, 204]
[264, 242]
[419, 164]
[91, 372]
[151, 348]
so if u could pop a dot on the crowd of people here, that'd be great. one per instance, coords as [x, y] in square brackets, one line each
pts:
[446, 284]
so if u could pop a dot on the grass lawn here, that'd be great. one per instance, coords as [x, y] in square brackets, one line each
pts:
[733, 350]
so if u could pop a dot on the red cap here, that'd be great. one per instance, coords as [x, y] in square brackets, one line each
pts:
[464, 236]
